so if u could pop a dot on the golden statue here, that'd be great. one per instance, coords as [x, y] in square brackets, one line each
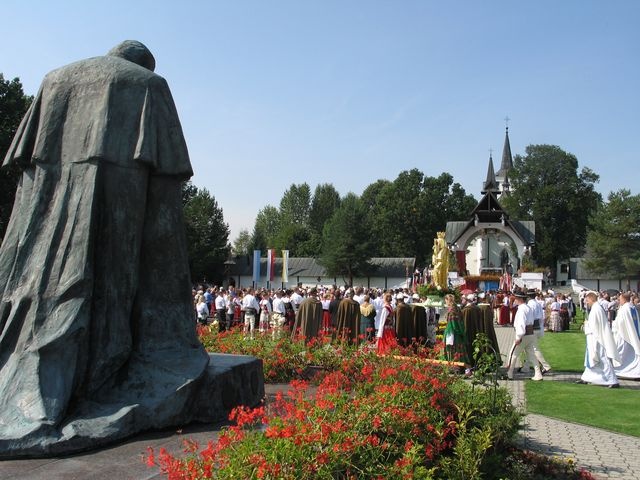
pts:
[440, 261]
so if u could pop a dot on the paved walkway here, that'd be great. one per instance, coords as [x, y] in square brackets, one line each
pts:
[605, 454]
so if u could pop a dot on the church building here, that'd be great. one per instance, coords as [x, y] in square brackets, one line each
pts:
[489, 241]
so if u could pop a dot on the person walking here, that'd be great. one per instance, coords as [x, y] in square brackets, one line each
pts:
[524, 337]
[601, 354]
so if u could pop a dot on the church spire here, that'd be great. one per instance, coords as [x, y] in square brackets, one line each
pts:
[507, 159]
[506, 186]
[490, 184]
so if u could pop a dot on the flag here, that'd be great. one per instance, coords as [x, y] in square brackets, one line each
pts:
[271, 264]
[285, 266]
[256, 266]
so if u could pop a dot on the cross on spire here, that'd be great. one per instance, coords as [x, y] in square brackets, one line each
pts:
[506, 121]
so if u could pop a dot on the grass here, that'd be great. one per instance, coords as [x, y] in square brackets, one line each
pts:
[614, 410]
[565, 350]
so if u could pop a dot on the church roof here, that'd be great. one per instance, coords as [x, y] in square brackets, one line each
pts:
[507, 159]
[487, 211]
[309, 266]
[490, 184]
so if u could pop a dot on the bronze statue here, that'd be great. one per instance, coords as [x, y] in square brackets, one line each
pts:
[97, 334]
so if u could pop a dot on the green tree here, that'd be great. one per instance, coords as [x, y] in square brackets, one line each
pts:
[13, 105]
[613, 241]
[189, 190]
[325, 202]
[242, 243]
[265, 228]
[207, 237]
[295, 238]
[547, 188]
[345, 240]
[296, 204]
[406, 214]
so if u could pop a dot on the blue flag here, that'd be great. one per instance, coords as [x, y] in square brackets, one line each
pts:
[256, 266]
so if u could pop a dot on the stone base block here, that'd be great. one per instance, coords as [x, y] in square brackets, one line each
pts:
[229, 381]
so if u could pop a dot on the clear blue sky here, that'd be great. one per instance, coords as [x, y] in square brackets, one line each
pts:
[272, 93]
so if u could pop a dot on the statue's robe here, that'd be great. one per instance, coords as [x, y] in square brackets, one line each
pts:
[96, 319]
[308, 318]
[348, 320]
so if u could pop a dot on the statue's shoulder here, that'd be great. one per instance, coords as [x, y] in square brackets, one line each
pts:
[100, 69]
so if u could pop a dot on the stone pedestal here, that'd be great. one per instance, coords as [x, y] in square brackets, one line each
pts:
[229, 381]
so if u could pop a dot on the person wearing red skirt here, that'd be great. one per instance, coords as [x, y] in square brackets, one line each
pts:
[386, 333]
[505, 312]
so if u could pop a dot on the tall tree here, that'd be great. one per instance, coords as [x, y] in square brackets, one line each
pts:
[266, 228]
[325, 202]
[547, 188]
[189, 190]
[242, 243]
[295, 205]
[613, 241]
[345, 240]
[207, 237]
[406, 214]
[13, 105]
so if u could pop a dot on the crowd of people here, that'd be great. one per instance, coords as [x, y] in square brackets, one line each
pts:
[401, 317]
[383, 318]
[354, 314]
[611, 328]
[612, 331]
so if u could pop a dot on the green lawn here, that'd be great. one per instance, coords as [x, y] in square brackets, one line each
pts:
[565, 350]
[614, 410]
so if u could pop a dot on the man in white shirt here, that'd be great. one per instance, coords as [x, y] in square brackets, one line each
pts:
[296, 299]
[524, 337]
[359, 295]
[277, 317]
[250, 307]
[221, 310]
[538, 331]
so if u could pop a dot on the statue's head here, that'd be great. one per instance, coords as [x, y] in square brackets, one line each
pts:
[135, 52]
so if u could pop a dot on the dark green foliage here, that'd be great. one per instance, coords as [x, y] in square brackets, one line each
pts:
[242, 244]
[407, 213]
[547, 188]
[207, 237]
[265, 229]
[346, 240]
[13, 105]
[403, 216]
[613, 243]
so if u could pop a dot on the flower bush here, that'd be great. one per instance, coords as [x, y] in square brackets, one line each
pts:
[371, 417]
[432, 290]
[380, 417]
[284, 359]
